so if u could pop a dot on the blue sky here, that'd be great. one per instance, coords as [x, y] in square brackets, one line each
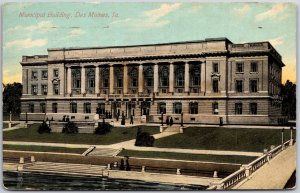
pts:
[143, 23]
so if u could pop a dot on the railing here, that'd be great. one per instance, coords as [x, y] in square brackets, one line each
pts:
[247, 170]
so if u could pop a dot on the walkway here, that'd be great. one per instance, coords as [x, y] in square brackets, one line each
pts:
[273, 175]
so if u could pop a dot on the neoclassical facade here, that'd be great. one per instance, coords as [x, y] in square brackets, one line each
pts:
[204, 80]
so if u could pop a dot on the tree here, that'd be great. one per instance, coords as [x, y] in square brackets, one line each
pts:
[11, 97]
[144, 139]
[288, 93]
[103, 128]
[44, 128]
[70, 128]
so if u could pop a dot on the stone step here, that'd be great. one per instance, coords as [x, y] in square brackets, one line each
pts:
[104, 152]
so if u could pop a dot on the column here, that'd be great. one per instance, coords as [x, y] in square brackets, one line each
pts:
[171, 78]
[155, 74]
[82, 80]
[97, 83]
[111, 79]
[202, 76]
[125, 79]
[69, 80]
[141, 79]
[186, 77]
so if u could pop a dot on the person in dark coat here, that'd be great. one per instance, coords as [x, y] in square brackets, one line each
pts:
[171, 121]
[167, 121]
[131, 119]
[67, 119]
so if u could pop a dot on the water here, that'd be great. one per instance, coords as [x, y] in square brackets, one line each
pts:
[43, 181]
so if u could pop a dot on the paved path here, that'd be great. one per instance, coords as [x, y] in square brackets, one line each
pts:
[273, 175]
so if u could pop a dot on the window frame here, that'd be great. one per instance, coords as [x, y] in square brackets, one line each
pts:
[237, 88]
[216, 68]
[73, 107]
[87, 108]
[43, 73]
[238, 69]
[251, 85]
[162, 108]
[177, 110]
[251, 105]
[54, 107]
[238, 108]
[194, 106]
[251, 67]
[215, 86]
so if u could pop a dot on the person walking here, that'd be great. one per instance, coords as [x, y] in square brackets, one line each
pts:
[171, 121]
[131, 120]
[167, 121]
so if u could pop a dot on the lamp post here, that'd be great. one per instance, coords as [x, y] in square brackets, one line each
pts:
[181, 119]
[291, 140]
[282, 131]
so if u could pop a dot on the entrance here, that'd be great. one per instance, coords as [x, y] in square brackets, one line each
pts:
[130, 109]
[116, 109]
[145, 108]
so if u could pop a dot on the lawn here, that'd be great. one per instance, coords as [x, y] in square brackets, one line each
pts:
[187, 156]
[5, 125]
[117, 134]
[240, 139]
[43, 148]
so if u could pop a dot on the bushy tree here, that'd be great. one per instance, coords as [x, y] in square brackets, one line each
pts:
[11, 97]
[288, 93]
[44, 128]
[103, 128]
[70, 128]
[144, 139]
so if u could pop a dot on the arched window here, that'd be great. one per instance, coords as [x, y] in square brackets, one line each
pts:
[164, 77]
[105, 75]
[161, 108]
[134, 77]
[76, 77]
[195, 76]
[91, 78]
[177, 108]
[179, 76]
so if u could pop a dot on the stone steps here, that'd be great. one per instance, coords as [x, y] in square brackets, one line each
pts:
[107, 152]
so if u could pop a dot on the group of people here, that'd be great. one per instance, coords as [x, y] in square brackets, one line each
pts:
[169, 122]
[66, 118]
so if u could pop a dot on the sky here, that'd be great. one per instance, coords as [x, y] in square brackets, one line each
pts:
[31, 28]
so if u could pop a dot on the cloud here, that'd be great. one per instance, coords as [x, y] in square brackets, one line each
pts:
[163, 10]
[276, 41]
[76, 32]
[272, 13]
[26, 43]
[42, 26]
[242, 10]
[9, 78]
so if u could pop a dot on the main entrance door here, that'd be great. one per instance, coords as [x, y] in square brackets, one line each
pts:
[116, 109]
[145, 108]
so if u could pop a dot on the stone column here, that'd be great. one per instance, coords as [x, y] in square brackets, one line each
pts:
[141, 79]
[111, 79]
[202, 76]
[171, 78]
[82, 80]
[155, 74]
[125, 79]
[69, 80]
[97, 83]
[186, 77]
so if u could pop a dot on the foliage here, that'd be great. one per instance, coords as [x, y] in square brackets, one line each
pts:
[70, 128]
[144, 139]
[103, 128]
[44, 128]
[11, 97]
[288, 92]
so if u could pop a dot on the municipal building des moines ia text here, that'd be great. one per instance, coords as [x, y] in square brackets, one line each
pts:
[204, 80]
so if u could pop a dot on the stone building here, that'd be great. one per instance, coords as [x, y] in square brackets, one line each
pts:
[203, 80]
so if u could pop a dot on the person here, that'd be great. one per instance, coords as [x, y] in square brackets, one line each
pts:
[67, 119]
[131, 120]
[171, 121]
[64, 118]
[167, 121]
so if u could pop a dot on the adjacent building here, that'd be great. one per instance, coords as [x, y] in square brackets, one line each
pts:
[204, 81]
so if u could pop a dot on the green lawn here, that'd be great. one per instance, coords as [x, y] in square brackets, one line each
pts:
[239, 139]
[187, 156]
[43, 148]
[117, 134]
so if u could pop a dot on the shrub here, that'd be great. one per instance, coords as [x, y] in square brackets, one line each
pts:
[70, 128]
[144, 139]
[44, 128]
[103, 128]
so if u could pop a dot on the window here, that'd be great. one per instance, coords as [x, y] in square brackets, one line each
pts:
[161, 108]
[42, 107]
[54, 107]
[193, 108]
[148, 74]
[56, 88]
[253, 67]
[34, 75]
[239, 86]
[87, 107]
[195, 77]
[44, 89]
[55, 72]
[253, 85]
[177, 108]
[34, 89]
[215, 67]
[215, 108]
[238, 108]
[164, 79]
[119, 76]
[179, 77]
[31, 108]
[73, 107]
[91, 78]
[239, 67]
[76, 78]
[105, 78]
[134, 78]
[253, 108]
[215, 85]
[44, 74]
[101, 107]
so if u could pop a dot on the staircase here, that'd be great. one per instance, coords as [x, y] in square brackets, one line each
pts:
[107, 152]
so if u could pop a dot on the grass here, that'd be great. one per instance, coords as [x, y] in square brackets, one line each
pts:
[5, 125]
[234, 139]
[43, 148]
[117, 134]
[186, 156]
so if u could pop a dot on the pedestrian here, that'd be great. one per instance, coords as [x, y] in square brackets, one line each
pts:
[167, 121]
[67, 119]
[171, 121]
[131, 120]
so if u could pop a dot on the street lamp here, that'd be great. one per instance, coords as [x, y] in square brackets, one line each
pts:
[291, 140]
[162, 119]
[181, 119]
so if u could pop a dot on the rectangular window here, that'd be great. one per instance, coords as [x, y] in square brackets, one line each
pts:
[44, 89]
[177, 108]
[239, 86]
[55, 72]
[253, 85]
[101, 107]
[42, 107]
[87, 107]
[215, 108]
[215, 85]
[73, 107]
[56, 89]
[34, 89]
[91, 83]
[161, 108]
[120, 82]
[253, 108]
[253, 67]
[54, 107]
[44, 74]
[193, 108]
[31, 108]
[239, 67]
[105, 83]
[215, 67]
[34, 75]
[134, 82]
[238, 108]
